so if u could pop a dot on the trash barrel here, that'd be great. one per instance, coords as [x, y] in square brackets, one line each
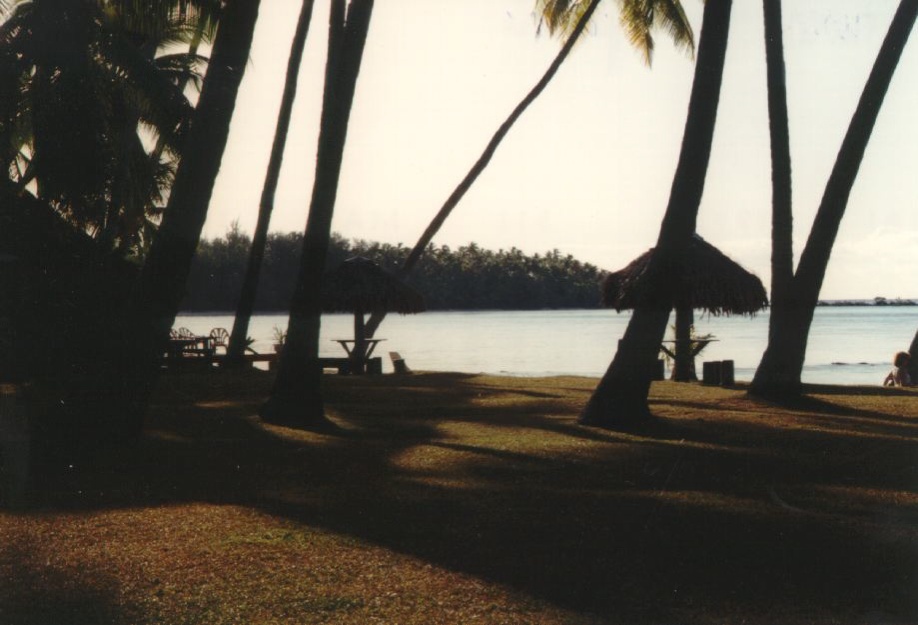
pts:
[726, 373]
[712, 372]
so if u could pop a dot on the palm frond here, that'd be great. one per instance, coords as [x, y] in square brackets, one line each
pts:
[561, 16]
[6, 8]
[183, 68]
[161, 20]
[639, 19]
[671, 18]
[155, 98]
[83, 85]
[13, 25]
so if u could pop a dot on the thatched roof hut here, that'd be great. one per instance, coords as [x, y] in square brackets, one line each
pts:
[706, 279]
[360, 285]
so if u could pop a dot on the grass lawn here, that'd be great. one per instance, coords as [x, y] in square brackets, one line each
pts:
[455, 499]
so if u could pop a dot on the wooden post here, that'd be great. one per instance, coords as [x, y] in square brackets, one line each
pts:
[683, 369]
[358, 354]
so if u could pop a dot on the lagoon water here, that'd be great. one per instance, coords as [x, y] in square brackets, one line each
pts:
[848, 344]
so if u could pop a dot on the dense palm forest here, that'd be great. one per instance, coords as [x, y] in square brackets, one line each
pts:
[467, 278]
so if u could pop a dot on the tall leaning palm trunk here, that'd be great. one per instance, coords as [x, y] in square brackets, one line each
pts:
[779, 373]
[104, 399]
[162, 280]
[620, 399]
[670, 12]
[479, 166]
[246, 305]
[296, 399]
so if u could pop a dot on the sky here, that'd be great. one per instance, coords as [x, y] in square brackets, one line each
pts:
[588, 168]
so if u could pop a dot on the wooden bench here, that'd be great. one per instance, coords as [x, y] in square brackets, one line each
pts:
[249, 357]
[342, 366]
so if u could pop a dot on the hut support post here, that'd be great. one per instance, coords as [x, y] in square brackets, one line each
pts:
[684, 365]
[358, 353]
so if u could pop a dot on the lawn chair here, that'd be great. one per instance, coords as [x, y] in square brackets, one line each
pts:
[219, 337]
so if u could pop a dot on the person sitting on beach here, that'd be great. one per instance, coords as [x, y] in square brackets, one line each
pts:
[898, 376]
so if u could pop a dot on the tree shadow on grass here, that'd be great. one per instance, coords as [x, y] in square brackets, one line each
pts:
[677, 525]
[33, 593]
[815, 401]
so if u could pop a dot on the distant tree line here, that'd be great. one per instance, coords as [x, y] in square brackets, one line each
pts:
[467, 278]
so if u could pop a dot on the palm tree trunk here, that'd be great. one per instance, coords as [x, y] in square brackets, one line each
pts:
[620, 399]
[296, 399]
[913, 361]
[783, 328]
[782, 222]
[162, 281]
[815, 256]
[459, 192]
[778, 375]
[237, 343]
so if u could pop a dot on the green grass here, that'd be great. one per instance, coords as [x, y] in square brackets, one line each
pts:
[450, 498]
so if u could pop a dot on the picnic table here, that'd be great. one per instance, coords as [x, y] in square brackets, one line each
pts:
[699, 344]
[349, 344]
[360, 352]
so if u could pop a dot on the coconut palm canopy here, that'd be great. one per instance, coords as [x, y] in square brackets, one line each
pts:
[706, 279]
[360, 285]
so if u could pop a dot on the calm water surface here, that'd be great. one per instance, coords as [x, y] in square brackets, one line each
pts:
[848, 344]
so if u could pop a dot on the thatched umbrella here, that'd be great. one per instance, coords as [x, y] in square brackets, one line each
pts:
[705, 279]
[360, 286]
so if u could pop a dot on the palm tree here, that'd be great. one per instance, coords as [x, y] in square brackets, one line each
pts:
[160, 287]
[620, 399]
[296, 398]
[639, 18]
[205, 15]
[135, 207]
[105, 395]
[778, 374]
[246, 305]
[94, 62]
[782, 252]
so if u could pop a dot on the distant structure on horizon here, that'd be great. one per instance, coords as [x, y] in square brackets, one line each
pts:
[876, 301]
